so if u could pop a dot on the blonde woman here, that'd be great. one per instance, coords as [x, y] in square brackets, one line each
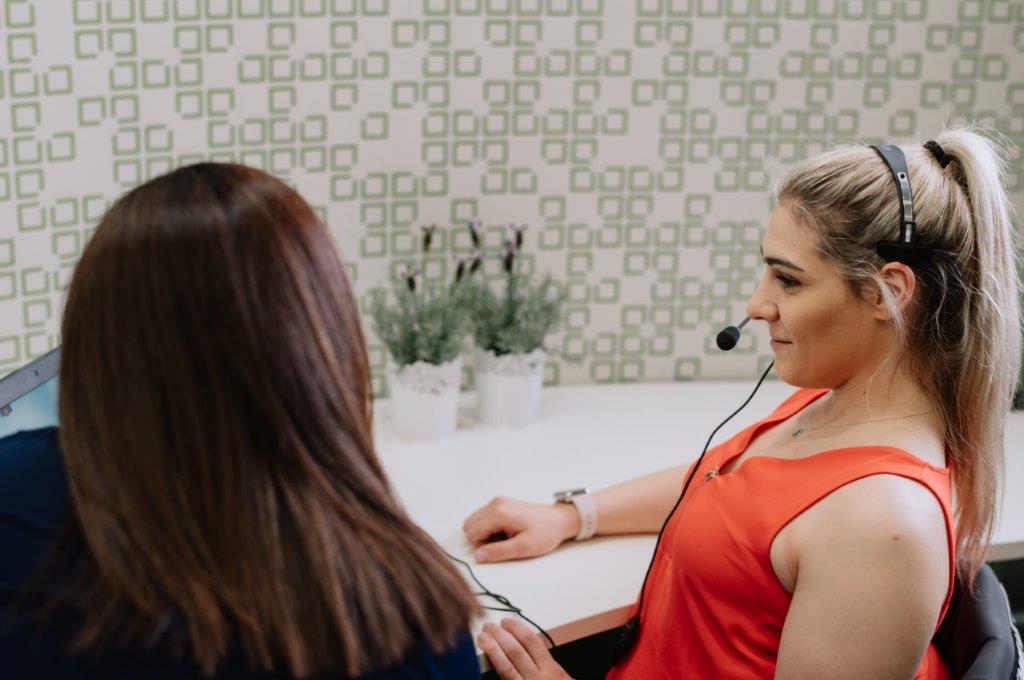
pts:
[824, 539]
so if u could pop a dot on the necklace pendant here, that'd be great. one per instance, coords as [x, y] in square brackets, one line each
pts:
[799, 431]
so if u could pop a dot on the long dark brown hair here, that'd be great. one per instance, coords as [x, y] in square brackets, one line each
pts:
[215, 411]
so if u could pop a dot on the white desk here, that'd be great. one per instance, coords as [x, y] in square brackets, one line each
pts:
[595, 436]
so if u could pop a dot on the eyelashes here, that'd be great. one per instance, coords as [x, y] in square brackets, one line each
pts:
[786, 281]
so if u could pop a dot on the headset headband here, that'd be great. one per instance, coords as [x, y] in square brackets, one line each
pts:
[905, 250]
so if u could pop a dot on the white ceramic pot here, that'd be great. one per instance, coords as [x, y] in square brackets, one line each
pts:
[425, 399]
[509, 387]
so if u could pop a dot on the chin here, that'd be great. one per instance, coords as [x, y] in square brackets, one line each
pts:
[801, 381]
[785, 377]
[783, 371]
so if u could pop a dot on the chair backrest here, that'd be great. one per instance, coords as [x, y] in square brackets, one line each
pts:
[1019, 651]
[978, 640]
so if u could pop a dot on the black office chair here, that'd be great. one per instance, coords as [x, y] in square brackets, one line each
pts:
[978, 640]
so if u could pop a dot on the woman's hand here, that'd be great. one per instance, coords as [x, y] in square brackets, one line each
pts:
[525, 529]
[518, 653]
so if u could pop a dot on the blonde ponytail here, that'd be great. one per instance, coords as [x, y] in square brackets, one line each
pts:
[963, 339]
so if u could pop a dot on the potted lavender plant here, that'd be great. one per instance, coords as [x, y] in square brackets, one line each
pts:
[509, 327]
[424, 330]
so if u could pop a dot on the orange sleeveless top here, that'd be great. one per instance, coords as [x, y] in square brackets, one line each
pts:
[714, 607]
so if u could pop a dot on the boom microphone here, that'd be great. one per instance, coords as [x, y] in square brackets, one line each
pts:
[730, 335]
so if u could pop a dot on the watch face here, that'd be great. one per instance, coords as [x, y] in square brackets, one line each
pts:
[566, 496]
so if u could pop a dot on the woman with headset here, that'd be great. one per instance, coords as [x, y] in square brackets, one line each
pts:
[824, 539]
[215, 506]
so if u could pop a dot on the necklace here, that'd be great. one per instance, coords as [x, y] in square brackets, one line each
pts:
[803, 427]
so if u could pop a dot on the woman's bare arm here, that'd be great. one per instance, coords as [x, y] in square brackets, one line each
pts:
[871, 579]
[639, 505]
[531, 529]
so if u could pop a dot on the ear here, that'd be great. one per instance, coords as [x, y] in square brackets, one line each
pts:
[902, 283]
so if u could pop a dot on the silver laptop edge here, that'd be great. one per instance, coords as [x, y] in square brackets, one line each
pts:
[28, 377]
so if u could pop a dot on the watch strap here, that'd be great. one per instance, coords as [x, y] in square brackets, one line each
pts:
[587, 510]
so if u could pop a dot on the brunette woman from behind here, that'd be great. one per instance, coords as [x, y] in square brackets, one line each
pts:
[226, 515]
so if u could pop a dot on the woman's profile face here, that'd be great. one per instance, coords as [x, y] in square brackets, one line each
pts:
[821, 333]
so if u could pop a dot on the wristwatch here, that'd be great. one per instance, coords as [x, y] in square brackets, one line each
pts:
[585, 507]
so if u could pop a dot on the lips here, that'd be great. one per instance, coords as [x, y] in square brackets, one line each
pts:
[783, 341]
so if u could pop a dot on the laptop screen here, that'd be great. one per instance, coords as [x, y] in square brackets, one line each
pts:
[28, 397]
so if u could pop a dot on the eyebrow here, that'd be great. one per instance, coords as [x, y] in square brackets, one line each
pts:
[779, 262]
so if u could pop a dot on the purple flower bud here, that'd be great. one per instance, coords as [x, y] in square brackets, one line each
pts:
[409, 274]
[477, 262]
[428, 236]
[510, 257]
[474, 232]
[460, 270]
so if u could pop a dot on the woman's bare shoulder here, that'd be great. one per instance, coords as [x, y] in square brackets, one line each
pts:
[878, 512]
[877, 508]
[871, 574]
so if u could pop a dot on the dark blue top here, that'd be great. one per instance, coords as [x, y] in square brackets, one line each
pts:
[34, 505]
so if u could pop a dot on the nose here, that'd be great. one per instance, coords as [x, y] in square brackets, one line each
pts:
[760, 306]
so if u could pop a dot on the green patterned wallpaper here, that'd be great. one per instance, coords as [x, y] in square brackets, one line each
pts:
[632, 135]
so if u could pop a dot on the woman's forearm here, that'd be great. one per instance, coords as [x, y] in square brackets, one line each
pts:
[639, 505]
[508, 529]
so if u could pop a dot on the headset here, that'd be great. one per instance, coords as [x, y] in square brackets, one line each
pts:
[906, 249]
